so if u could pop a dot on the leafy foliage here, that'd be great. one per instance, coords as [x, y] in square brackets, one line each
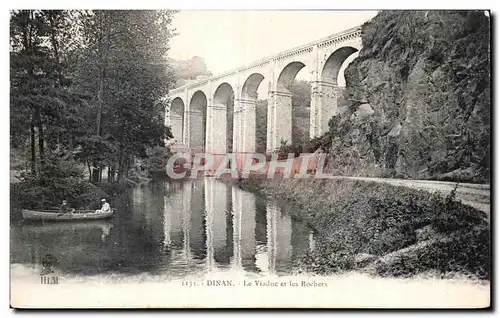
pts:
[134, 78]
[58, 179]
[90, 87]
[154, 165]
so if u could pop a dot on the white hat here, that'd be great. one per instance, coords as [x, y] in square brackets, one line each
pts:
[103, 200]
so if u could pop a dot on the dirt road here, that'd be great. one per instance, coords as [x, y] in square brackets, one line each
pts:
[475, 195]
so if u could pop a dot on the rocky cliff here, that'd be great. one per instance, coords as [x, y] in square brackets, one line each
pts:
[418, 98]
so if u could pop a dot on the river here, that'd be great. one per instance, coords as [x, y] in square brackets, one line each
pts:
[167, 238]
[172, 229]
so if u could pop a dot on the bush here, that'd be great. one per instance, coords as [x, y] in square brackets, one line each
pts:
[466, 251]
[57, 180]
[286, 149]
[155, 164]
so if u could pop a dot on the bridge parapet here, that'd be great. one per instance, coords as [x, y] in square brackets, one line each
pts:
[306, 48]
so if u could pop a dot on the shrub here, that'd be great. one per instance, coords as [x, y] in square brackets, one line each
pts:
[156, 162]
[57, 180]
[466, 251]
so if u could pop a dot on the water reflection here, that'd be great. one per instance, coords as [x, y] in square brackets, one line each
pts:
[177, 228]
[216, 209]
[243, 229]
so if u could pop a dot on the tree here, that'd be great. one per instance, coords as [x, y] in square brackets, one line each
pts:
[37, 76]
[127, 49]
[89, 83]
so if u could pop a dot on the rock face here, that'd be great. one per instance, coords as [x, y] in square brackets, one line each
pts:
[418, 97]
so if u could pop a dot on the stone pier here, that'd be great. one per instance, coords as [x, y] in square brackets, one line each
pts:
[237, 126]
[216, 129]
[323, 106]
[176, 122]
[279, 118]
[196, 130]
[247, 138]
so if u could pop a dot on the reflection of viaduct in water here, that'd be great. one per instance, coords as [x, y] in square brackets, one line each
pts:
[279, 237]
[243, 229]
[205, 225]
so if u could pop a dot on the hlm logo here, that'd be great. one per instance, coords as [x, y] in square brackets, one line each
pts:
[46, 276]
[52, 280]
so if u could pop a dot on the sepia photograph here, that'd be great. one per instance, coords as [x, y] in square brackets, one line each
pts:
[176, 158]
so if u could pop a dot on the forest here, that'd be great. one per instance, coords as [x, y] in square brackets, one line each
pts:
[87, 89]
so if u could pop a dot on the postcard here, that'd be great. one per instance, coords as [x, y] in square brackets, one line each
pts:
[250, 159]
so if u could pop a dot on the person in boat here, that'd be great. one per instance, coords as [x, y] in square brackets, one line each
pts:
[64, 208]
[105, 207]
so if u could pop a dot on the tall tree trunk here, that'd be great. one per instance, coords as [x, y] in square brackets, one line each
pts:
[40, 136]
[100, 102]
[121, 161]
[27, 37]
[113, 172]
[121, 148]
[55, 44]
[103, 47]
[99, 118]
[33, 146]
[90, 170]
[126, 166]
[95, 173]
[102, 41]
[120, 166]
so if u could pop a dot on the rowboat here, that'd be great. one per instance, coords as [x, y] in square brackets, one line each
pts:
[55, 215]
[63, 227]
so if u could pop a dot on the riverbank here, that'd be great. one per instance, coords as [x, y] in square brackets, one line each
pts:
[384, 230]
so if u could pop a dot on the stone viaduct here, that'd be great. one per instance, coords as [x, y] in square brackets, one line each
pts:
[197, 112]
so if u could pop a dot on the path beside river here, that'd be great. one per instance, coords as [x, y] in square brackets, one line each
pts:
[475, 195]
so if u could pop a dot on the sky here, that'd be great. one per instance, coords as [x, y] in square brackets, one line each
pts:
[229, 39]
